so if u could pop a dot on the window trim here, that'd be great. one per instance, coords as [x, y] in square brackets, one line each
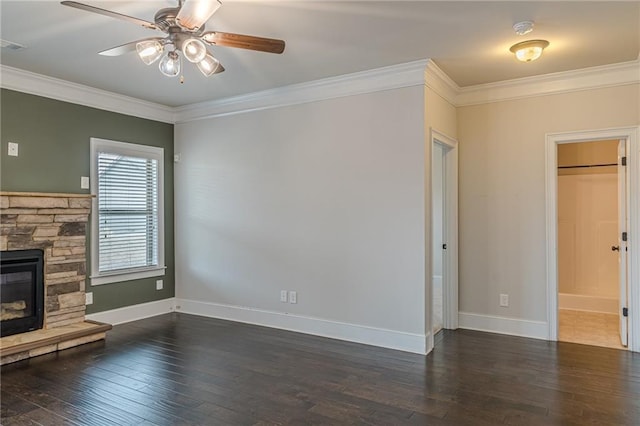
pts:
[135, 150]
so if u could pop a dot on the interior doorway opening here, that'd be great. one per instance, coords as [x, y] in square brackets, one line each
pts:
[443, 282]
[628, 227]
[591, 200]
[439, 241]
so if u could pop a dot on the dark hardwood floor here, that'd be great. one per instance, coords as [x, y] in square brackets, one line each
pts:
[179, 369]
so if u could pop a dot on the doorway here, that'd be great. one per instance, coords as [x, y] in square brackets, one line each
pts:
[590, 205]
[607, 203]
[444, 234]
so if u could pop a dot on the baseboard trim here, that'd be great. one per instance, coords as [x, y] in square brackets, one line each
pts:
[408, 342]
[134, 312]
[504, 325]
[578, 302]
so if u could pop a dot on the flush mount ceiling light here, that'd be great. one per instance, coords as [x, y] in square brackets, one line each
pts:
[529, 50]
[184, 28]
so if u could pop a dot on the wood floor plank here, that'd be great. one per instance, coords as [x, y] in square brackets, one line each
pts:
[178, 369]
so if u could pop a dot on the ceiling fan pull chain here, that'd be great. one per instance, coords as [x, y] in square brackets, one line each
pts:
[181, 72]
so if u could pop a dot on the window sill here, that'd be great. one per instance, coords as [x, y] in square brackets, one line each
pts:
[127, 276]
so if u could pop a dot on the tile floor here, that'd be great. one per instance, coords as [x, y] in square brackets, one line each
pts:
[589, 328]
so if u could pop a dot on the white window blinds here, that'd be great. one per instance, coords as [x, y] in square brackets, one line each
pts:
[128, 212]
[127, 221]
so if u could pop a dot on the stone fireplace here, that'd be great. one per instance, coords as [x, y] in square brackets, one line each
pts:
[55, 224]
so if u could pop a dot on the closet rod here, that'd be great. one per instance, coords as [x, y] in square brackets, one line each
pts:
[582, 166]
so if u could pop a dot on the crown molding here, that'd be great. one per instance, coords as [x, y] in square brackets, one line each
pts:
[54, 88]
[619, 74]
[441, 83]
[391, 77]
[423, 72]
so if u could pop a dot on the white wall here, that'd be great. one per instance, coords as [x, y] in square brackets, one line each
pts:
[325, 198]
[587, 228]
[502, 191]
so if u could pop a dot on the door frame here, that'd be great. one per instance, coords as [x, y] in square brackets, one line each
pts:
[449, 232]
[630, 134]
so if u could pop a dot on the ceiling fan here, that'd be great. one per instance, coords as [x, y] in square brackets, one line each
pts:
[185, 32]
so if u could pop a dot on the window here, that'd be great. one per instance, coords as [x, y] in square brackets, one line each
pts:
[127, 241]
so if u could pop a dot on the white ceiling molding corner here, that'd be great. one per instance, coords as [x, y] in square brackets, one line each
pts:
[391, 77]
[441, 83]
[423, 72]
[619, 74]
[49, 87]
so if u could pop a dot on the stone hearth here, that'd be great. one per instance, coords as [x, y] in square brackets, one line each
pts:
[55, 223]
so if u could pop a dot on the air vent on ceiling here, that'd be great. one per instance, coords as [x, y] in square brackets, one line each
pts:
[10, 45]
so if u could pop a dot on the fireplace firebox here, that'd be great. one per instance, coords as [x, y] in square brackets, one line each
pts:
[21, 291]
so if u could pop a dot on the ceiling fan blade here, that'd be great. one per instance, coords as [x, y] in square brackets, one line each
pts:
[125, 48]
[194, 13]
[242, 41]
[109, 13]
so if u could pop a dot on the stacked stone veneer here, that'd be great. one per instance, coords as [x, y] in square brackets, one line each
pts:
[57, 224]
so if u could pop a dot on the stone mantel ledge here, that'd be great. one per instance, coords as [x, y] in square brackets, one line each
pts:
[44, 194]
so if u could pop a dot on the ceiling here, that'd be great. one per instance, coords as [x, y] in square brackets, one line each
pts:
[469, 40]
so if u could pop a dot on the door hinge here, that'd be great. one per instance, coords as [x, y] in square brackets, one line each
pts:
[444, 247]
[624, 161]
[625, 312]
[624, 236]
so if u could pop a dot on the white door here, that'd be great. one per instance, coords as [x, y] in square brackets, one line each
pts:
[623, 219]
[439, 233]
[444, 233]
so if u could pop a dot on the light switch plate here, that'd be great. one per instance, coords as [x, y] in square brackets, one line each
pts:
[84, 182]
[88, 298]
[13, 149]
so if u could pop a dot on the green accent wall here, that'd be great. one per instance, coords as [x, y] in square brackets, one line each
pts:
[53, 138]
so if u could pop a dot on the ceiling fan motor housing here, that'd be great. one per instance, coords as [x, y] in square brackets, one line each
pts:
[165, 20]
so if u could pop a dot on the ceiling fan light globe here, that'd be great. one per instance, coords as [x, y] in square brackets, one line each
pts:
[209, 65]
[194, 50]
[149, 51]
[170, 64]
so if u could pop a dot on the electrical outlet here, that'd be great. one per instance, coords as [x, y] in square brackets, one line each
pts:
[283, 296]
[159, 285]
[177, 158]
[293, 297]
[88, 298]
[13, 149]
[84, 182]
[504, 300]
